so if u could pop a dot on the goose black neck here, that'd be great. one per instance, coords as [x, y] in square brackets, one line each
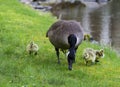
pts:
[72, 41]
[71, 56]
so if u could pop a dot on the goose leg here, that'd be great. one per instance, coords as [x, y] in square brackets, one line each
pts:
[57, 53]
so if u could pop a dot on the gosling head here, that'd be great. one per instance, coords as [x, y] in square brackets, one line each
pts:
[32, 42]
[100, 53]
[86, 37]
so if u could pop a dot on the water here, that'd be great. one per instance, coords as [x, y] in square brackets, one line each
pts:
[102, 21]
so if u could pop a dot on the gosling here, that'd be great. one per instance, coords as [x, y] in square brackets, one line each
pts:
[32, 48]
[92, 55]
[89, 38]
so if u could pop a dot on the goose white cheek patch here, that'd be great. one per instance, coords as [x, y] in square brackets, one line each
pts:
[67, 53]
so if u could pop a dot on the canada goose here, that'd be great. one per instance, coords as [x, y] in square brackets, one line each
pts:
[66, 35]
[32, 48]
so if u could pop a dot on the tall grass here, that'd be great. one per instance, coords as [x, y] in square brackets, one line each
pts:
[20, 24]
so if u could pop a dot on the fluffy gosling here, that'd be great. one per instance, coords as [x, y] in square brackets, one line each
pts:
[89, 55]
[89, 38]
[92, 55]
[32, 48]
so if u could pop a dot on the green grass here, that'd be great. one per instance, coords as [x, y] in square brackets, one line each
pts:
[20, 24]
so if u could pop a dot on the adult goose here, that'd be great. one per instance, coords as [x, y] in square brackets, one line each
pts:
[66, 35]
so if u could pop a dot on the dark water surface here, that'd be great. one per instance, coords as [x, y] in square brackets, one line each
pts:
[101, 21]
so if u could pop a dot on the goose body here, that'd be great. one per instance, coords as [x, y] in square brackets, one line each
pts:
[59, 32]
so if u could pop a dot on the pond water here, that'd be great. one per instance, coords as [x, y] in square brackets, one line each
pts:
[102, 21]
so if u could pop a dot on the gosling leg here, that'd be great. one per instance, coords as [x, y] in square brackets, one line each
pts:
[30, 52]
[35, 53]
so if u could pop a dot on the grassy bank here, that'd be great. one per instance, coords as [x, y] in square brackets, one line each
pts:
[20, 24]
